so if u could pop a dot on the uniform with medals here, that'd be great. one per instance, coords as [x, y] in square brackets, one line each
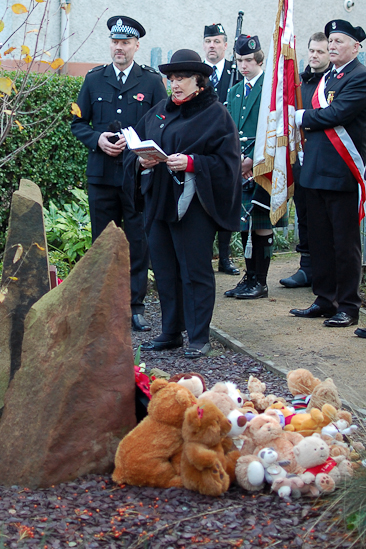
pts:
[108, 104]
[339, 104]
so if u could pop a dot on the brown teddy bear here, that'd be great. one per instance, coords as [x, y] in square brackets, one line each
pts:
[301, 384]
[256, 390]
[324, 393]
[203, 465]
[192, 380]
[265, 431]
[150, 454]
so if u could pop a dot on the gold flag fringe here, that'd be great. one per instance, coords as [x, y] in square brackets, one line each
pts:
[288, 52]
[280, 212]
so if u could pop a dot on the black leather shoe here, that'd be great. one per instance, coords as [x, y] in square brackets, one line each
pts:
[314, 311]
[154, 345]
[360, 332]
[192, 352]
[227, 266]
[340, 320]
[139, 324]
[297, 280]
[253, 291]
[239, 287]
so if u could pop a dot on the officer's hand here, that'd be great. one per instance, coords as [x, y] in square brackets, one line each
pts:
[147, 164]
[112, 149]
[177, 162]
[246, 167]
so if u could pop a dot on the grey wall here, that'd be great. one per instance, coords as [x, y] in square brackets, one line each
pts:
[175, 24]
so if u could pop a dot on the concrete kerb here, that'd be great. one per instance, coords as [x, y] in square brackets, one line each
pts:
[238, 347]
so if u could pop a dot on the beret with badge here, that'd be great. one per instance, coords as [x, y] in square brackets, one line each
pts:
[245, 45]
[213, 30]
[344, 27]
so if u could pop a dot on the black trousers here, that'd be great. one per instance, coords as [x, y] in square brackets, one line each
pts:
[223, 239]
[302, 218]
[181, 256]
[108, 203]
[335, 248]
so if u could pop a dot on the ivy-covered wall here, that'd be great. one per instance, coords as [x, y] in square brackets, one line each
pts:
[57, 162]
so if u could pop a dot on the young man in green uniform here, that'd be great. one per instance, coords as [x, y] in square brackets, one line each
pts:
[243, 105]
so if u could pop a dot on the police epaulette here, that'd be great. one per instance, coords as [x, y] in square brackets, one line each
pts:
[97, 68]
[150, 69]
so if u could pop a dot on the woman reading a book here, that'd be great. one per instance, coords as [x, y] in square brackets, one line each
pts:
[188, 196]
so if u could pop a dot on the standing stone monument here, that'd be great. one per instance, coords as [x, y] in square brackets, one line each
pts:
[25, 277]
[73, 398]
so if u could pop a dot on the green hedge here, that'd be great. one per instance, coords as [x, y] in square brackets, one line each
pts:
[57, 162]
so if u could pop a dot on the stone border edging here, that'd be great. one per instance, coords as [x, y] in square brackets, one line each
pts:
[236, 345]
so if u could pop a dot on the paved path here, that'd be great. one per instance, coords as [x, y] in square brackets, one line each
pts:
[267, 331]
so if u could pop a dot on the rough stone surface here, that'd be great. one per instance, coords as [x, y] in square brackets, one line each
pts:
[25, 277]
[72, 400]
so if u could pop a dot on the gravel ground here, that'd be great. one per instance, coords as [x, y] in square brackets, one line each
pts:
[93, 512]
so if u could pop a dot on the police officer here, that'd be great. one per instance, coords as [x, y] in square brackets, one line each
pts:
[214, 46]
[112, 97]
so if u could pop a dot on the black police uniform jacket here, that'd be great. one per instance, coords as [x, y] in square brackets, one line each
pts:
[102, 100]
[201, 127]
[323, 167]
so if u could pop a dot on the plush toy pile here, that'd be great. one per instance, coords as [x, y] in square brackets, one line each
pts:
[204, 440]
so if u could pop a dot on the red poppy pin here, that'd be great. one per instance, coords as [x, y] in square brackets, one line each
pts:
[139, 97]
[340, 75]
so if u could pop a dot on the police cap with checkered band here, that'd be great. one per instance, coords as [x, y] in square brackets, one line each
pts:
[123, 27]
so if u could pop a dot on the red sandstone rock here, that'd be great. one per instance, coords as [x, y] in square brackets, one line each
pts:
[72, 400]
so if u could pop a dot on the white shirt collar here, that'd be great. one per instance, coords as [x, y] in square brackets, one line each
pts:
[125, 71]
[253, 80]
[342, 67]
[219, 66]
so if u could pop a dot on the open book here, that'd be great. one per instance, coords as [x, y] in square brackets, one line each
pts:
[146, 149]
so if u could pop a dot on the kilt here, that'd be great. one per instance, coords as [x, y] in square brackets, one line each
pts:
[260, 216]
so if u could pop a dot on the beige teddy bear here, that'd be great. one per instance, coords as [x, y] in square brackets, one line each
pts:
[301, 384]
[324, 393]
[256, 390]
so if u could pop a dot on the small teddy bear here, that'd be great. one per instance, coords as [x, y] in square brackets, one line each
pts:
[256, 390]
[192, 380]
[203, 464]
[324, 393]
[290, 485]
[273, 469]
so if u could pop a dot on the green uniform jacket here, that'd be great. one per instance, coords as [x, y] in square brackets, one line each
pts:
[245, 111]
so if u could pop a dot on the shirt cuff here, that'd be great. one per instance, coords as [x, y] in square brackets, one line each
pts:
[190, 164]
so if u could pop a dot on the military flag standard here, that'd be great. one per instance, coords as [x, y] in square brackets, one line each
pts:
[277, 139]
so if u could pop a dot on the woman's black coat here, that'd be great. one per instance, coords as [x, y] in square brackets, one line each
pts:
[203, 128]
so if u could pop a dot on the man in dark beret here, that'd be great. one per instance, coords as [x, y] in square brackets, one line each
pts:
[332, 175]
[112, 97]
[215, 46]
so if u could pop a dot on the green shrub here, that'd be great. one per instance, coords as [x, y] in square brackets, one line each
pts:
[57, 162]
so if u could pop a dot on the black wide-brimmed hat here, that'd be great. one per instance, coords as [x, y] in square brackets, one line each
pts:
[123, 27]
[246, 45]
[344, 27]
[186, 60]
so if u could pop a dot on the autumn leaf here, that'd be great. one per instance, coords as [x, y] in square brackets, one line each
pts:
[19, 8]
[12, 278]
[57, 63]
[47, 62]
[18, 253]
[5, 85]
[75, 109]
[28, 59]
[9, 51]
[24, 50]
[67, 8]
[6, 111]
[39, 247]
[14, 88]
[47, 53]
[39, 1]
[33, 30]
[1, 25]
[19, 125]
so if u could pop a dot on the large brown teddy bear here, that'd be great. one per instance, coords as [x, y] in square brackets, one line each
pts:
[150, 454]
[203, 465]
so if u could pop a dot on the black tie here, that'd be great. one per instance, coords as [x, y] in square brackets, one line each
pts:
[214, 77]
[120, 76]
[331, 75]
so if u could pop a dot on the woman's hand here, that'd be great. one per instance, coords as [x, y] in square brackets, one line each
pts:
[177, 162]
[147, 164]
